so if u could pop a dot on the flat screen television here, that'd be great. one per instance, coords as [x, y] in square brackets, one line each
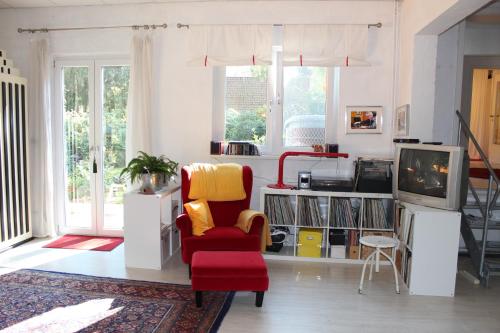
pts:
[428, 175]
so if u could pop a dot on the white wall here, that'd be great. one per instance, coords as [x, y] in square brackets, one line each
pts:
[449, 64]
[482, 39]
[182, 121]
[461, 40]
[420, 24]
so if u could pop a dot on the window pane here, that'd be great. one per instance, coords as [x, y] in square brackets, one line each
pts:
[245, 103]
[114, 113]
[304, 106]
[77, 161]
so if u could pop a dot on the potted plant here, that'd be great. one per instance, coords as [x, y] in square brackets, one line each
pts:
[154, 171]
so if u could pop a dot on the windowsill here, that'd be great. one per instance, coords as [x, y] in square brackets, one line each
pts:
[268, 157]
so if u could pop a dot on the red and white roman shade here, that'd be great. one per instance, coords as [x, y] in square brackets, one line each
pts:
[325, 45]
[303, 45]
[229, 45]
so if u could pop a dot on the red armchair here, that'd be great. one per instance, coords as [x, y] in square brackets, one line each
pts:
[224, 237]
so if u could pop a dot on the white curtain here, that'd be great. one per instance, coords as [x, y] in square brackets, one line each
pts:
[325, 45]
[236, 45]
[140, 94]
[41, 164]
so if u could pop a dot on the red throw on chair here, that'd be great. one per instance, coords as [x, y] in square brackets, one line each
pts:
[224, 237]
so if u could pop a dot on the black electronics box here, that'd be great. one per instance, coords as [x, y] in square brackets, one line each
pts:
[331, 148]
[332, 184]
[337, 237]
[373, 175]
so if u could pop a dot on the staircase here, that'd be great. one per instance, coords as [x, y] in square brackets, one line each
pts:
[481, 250]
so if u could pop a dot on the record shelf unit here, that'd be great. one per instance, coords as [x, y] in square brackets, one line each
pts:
[352, 214]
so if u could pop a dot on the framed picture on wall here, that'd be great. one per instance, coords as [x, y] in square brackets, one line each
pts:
[364, 119]
[402, 121]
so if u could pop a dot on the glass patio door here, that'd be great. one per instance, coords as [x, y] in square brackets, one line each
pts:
[92, 97]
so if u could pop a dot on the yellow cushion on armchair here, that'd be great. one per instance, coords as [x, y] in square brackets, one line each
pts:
[200, 216]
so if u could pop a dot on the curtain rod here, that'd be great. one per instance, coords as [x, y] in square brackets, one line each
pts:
[134, 27]
[371, 25]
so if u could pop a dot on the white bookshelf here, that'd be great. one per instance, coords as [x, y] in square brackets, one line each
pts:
[294, 225]
[429, 238]
[151, 236]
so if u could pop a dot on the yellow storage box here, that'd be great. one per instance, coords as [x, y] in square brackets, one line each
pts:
[310, 241]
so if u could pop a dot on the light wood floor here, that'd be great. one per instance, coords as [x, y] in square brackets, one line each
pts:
[303, 297]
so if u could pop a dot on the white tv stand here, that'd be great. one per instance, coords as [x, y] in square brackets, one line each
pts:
[428, 253]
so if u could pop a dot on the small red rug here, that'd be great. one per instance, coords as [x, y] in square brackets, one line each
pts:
[93, 243]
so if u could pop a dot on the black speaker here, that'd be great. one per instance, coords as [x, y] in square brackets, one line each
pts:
[331, 148]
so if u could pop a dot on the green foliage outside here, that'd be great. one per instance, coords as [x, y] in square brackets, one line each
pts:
[76, 126]
[246, 126]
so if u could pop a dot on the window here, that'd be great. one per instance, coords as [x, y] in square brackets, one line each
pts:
[276, 107]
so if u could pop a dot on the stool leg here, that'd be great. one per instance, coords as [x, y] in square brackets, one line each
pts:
[259, 298]
[377, 260]
[199, 299]
[395, 271]
[371, 267]
[363, 272]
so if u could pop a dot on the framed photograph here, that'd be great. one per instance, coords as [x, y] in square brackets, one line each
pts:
[402, 121]
[364, 119]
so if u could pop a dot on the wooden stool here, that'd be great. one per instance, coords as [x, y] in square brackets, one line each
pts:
[378, 242]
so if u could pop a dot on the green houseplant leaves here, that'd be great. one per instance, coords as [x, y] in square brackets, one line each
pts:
[145, 163]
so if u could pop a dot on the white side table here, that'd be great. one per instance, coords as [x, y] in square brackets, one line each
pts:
[378, 242]
[149, 230]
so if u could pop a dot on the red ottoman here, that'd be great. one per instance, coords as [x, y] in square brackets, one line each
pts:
[229, 270]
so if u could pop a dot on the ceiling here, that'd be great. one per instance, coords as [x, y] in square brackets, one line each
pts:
[56, 3]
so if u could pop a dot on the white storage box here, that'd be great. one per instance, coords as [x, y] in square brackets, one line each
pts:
[337, 251]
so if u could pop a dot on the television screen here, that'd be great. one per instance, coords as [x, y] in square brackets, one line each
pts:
[424, 172]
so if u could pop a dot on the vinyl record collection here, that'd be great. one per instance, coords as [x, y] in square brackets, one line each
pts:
[343, 214]
[405, 235]
[309, 212]
[241, 148]
[279, 210]
[405, 265]
[375, 216]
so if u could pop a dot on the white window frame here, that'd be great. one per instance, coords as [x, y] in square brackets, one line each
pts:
[274, 117]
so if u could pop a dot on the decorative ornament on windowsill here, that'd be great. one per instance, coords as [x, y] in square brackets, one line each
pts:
[154, 172]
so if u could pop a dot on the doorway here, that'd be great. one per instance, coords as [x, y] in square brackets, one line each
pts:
[485, 113]
[91, 98]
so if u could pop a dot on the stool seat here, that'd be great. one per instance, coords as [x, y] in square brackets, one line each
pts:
[381, 242]
[378, 243]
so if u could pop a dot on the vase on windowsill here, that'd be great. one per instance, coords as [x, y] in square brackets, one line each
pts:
[159, 180]
[147, 186]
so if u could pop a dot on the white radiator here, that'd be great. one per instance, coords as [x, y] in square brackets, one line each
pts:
[15, 222]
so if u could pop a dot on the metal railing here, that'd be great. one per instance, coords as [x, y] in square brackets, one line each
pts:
[491, 198]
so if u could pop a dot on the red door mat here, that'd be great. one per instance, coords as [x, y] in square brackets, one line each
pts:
[92, 243]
